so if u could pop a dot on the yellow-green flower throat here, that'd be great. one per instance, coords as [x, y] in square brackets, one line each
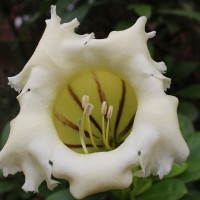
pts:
[94, 112]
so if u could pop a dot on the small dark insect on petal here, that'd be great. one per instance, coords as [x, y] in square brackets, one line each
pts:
[50, 162]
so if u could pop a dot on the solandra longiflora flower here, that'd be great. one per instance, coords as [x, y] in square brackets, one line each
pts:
[91, 110]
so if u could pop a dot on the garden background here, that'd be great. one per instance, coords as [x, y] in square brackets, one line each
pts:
[177, 23]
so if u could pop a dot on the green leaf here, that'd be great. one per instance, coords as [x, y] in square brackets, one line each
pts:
[191, 92]
[79, 13]
[169, 60]
[193, 142]
[61, 195]
[122, 25]
[121, 194]
[4, 135]
[186, 125]
[182, 13]
[7, 186]
[1, 175]
[192, 173]
[141, 9]
[188, 109]
[61, 5]
[192, 196]
[183, 69]
[99, 196]
[140, 185]
[44, 191]
[177, 170]
[170, 189]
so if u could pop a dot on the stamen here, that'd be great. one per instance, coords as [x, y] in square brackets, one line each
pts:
[109, 115]
[88, 109]
[87, 112]
[106, 137]
[90, 133]
[81, 131]
[104, 108]
[110, 111]
[85, 100]
[103, 112]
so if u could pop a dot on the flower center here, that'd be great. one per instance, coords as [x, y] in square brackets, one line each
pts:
[94, 112]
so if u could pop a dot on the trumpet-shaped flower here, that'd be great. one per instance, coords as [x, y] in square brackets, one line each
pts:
[91, 110]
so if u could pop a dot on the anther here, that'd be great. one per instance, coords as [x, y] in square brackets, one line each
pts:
[104, 108]
[85, 100]
[110, 111]
[87, 112]
[88, 109]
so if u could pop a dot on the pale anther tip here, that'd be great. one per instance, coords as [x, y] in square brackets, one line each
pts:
[110, 112]
[85, 100]
[88, 109]
[104, 107]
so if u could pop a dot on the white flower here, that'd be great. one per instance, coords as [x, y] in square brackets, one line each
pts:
[93, 143]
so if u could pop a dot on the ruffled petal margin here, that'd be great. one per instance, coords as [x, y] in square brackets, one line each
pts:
[34, 147]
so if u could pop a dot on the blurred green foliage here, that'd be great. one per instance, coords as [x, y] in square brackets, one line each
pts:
[178, 26]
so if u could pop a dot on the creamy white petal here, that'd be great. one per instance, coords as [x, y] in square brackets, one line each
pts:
[34, 146]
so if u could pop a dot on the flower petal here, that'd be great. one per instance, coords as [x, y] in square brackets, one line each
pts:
[34, 146]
